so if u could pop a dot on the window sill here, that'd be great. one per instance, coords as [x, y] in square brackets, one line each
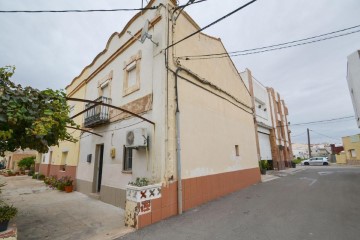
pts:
[127, 172]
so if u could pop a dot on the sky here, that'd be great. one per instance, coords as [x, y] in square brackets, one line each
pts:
[50, 49]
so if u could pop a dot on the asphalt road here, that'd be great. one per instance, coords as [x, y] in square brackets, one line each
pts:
[317, 203]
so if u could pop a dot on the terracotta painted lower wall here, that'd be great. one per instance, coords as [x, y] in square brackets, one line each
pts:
[57, 170]
[197, 191]
[44, 169]
[37, 167]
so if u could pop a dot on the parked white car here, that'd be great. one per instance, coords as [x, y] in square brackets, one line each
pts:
[316, 161]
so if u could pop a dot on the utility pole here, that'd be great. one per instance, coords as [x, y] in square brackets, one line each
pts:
[308, 134]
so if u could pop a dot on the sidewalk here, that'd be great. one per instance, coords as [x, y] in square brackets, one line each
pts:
[274, 174]
[50, 214]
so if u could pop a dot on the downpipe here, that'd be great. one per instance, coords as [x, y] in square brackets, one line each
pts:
[178, 144]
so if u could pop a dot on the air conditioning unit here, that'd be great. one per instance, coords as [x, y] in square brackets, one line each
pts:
[136, 138]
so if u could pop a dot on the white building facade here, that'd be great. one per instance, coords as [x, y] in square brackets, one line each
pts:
[262, 111]
[194, 135]
[353, 79]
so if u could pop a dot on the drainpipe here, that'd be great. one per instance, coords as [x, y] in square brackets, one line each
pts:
[178, 146]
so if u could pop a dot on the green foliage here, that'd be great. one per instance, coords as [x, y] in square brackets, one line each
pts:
[59, 184]
[140, 182]
[297, 160]
[34, 176]
[263, 164]
[26, 163]
[41, 177]
[66, 180]
[2, 185]
[51, 181]
[7, 212]
[30, 118]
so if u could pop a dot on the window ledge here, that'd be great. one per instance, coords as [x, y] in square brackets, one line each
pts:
[127, 171]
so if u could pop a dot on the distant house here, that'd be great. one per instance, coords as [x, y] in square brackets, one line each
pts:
[62, 160]
[300, 150]
[271, 122]
[12, 158]
[320, 150]
[353, 79]
[352, 149]
[193, 135]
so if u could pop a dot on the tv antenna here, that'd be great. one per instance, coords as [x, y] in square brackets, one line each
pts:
[145, 34]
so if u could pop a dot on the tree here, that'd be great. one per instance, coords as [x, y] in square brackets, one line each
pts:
[30, 118]
[26, 163]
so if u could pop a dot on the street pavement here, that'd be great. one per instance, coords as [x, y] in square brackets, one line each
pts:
[45, 213]
[305, 203]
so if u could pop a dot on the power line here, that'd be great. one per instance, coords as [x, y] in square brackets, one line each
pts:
[91, 10]
[324, 135]
[209, 25]
[320, 121]
[79, 11]
[274, 45]
[298, 135]
[250, 52]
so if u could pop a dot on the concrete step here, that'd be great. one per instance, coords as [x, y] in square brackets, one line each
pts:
[94, 195]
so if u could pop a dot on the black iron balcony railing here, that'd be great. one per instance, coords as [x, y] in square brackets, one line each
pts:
[97, 114]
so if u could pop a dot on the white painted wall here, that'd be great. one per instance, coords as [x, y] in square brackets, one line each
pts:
[353, 79]
[265, 147]
[152, 81]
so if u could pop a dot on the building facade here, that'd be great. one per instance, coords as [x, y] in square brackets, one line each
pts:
[156, 96]
[273, 130]
[62, 160]
[281, 148]
[351, 146]
[353, 79]
[261, 104]
[12, 158]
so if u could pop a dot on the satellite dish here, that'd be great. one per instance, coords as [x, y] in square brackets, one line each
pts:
[144, 32]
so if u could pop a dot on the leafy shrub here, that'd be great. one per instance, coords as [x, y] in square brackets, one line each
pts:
[31, 173]
[10, 173]
[263, 164]
[35, 176]
[41, 177]
[26, 163]
[7, 212]
[140, 182]
[297, 160]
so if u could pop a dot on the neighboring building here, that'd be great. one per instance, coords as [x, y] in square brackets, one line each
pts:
[62, 160]
[280, 134]
[215, 120]
[336, 149]
[12, 158]
[260, 100]
[353, 79]
[320, 150]
[272, 127]
[300, 150]
[335, 155]
[352, 149]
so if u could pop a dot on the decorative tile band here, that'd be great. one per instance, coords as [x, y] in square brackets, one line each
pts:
[140, 194]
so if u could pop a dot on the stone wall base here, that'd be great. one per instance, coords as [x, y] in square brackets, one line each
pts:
[196, 191]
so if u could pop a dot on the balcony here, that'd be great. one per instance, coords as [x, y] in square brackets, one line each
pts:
[97, 114]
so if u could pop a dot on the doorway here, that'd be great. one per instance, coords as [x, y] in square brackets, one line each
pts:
[98, 167]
